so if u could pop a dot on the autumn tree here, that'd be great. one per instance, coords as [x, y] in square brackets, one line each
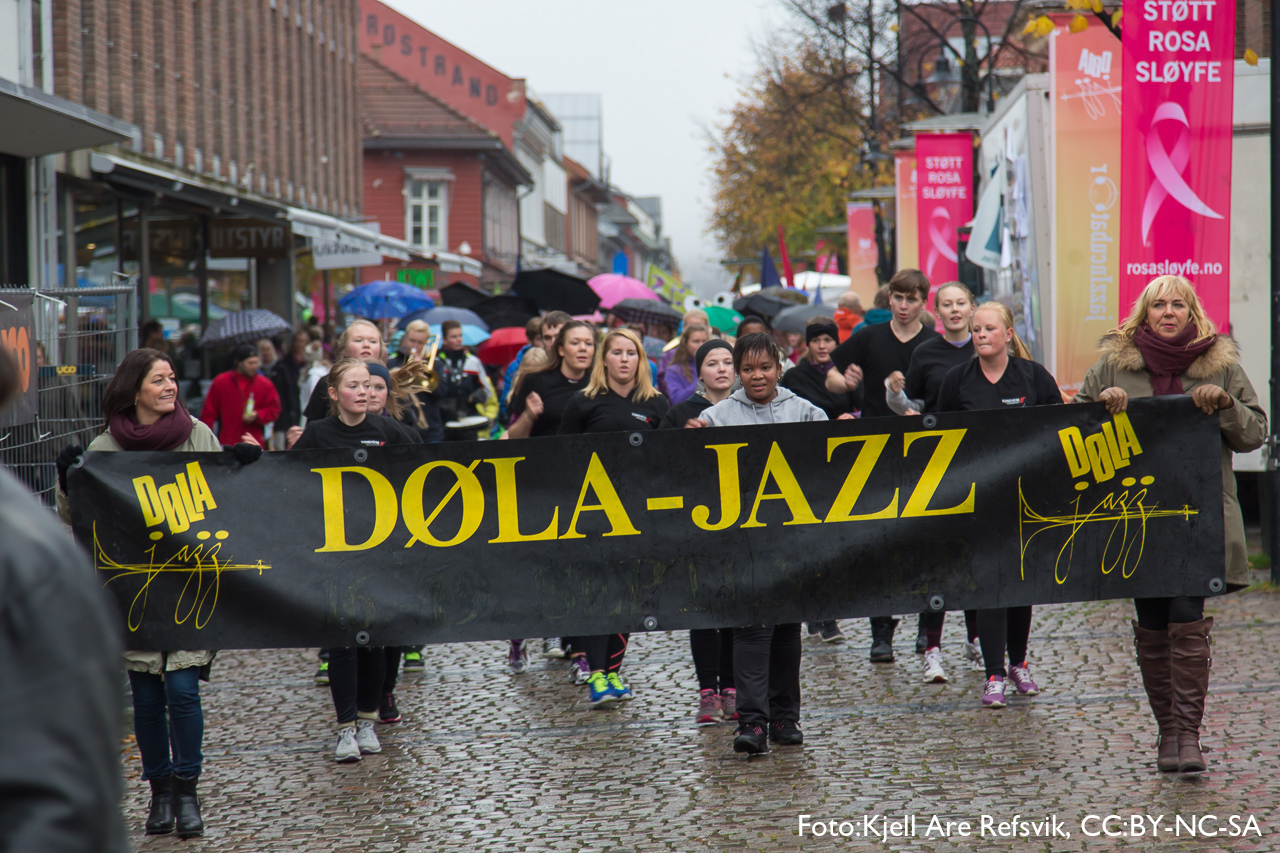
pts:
[788, 154]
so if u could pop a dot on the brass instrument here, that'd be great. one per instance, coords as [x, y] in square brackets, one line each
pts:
[431, 378]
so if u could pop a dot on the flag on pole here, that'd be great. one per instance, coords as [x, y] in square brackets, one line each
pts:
[768, 273]
[786, 261]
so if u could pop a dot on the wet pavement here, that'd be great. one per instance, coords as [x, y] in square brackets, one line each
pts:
[488, 760]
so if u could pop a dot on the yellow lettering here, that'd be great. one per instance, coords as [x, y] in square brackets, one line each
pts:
[1073, 447]
[504, 472]
[188, 505]
[788, 490]
[174, 512]
[730, 494]
[148, 500]
[918, 504]
[201, 494]
[598, 481]
[1118, 459]
[1126, 437]
[859, 473]
[335, 528]
[1100, 458]
[472, 504]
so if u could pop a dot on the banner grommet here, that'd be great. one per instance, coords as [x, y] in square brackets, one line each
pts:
[362, 638]
[636, 439]
[1216, 585]
[936, 603]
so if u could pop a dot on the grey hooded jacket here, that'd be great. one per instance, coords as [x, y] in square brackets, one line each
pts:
[785, 408]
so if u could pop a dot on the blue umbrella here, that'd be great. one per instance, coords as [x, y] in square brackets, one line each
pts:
[472, 336]
[380, 300]
[436, 316]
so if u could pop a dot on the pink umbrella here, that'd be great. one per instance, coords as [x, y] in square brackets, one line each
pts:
[593, 317]
[613, 288]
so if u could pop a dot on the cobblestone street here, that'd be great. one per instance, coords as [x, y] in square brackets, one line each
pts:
[488, 760]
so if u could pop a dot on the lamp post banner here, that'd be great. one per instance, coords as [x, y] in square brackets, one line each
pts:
[904, 171]
[864, 256]
[944, 201]
[1175, 170]
[675, 529]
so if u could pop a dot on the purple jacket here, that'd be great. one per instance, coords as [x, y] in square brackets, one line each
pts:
[672, 380]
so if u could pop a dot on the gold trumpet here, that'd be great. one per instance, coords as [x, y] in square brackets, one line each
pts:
[431, 378]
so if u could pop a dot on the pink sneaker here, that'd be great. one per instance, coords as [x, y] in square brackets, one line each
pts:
[1021, 678]
[710, 710]
[729, 703]
[993, 692]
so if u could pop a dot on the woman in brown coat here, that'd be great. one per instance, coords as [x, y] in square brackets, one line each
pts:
[1168, 346]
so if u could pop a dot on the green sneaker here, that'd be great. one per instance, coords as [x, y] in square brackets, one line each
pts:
[413, 662]
[322, 674]
[618, 689]
[601, 691]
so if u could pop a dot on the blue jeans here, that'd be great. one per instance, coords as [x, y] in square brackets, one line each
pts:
[178, 692]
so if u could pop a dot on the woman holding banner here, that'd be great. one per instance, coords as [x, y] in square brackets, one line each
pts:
[536, 407]
[620, 397]
[143, 412]
[917, 393]
[1168, 346]
[1002, 375]
[356, 676]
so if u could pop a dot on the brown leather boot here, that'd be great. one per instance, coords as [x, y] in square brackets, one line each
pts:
[1190, 659]
[1153, 660]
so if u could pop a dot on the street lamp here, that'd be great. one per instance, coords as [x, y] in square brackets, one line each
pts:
[944, 75]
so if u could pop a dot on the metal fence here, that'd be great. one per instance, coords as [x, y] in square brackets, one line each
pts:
[81, 336]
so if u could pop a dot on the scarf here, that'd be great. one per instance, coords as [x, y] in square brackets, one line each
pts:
[171, 431]
[1168, 358]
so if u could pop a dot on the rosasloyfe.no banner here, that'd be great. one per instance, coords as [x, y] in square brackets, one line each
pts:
[578, 535]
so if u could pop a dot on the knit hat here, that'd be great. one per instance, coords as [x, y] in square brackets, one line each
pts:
[705, 350]
[814, 330]
[376, 369]
[242, 352]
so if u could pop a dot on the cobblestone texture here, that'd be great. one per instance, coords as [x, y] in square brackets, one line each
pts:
[490, 761]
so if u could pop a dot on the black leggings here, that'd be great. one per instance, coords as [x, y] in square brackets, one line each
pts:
[355, 681]
[712, 657]
[605, 651]
[931, 623]
[1155, 614]
[392, 673]
[1001, 626]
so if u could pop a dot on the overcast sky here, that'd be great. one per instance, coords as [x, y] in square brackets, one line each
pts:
[665, 69]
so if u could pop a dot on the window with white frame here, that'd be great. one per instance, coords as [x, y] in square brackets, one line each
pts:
[426, 209]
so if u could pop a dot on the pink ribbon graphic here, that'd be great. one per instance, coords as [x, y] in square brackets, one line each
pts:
[939, 239]
[1167, 168]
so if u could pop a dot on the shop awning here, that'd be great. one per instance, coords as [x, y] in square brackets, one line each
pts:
[36, 123]
[180, 187]
[321, 226]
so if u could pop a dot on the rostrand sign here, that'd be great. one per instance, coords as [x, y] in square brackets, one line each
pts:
[673, 529]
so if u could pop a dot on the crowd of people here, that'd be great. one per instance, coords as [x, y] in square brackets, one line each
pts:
[573, 377]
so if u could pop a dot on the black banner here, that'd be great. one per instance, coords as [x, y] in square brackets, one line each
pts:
[657, 530]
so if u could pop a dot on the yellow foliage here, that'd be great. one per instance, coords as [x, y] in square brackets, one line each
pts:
[1030, 28]
[1077, 5]
[1115, 18]
[1250, 56]
[893, 28]
[1044, 26]
[1078, 24]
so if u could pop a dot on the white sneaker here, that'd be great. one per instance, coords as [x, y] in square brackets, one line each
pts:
[933, 672]
[367, 738]
[348, 749]
[973, 651]
[552, 648]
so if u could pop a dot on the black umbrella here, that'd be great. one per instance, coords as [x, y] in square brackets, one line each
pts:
[648, 311]
[795, 318]
[462, 295]
[507, 310]
[553, 290]
[244, 327]
[765, 305]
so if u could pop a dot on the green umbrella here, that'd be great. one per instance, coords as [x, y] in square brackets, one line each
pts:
[724, 319]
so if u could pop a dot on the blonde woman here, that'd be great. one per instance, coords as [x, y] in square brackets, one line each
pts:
[363, 340]
[1168, 346]
[620, 397]
[1002, 376]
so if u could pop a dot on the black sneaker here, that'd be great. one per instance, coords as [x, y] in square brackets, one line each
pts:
[387, 710]
[814, 629]
[831, 632]
[922, 643]
[786, 734]
[882, 639]
[752, 740]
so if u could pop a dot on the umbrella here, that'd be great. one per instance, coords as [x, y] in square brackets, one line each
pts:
[795, 318]
[244, 327]
[443, 313]
[381, 300]
[647, 311]
[724, 319]
[761, 304]
[553, 290]
[502, 346]
[615, 288]
[506, 310]
[786, 294]
[593, 317]
[462, 295]
[472, 336]
[653, 346]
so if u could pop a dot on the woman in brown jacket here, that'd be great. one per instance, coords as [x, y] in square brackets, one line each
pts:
[1168, 346]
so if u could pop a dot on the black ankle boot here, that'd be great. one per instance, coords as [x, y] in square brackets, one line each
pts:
[882, 638]
[186, 808]
[160, 818]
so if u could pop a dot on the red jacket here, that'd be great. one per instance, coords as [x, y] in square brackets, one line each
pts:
[225, 404]
[845, 321]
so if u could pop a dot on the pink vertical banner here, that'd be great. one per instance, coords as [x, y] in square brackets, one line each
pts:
[860, 219]
[1175, 163]
[944, 200]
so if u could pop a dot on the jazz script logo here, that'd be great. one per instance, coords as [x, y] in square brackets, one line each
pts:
[1101, 453]
[179, 503]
